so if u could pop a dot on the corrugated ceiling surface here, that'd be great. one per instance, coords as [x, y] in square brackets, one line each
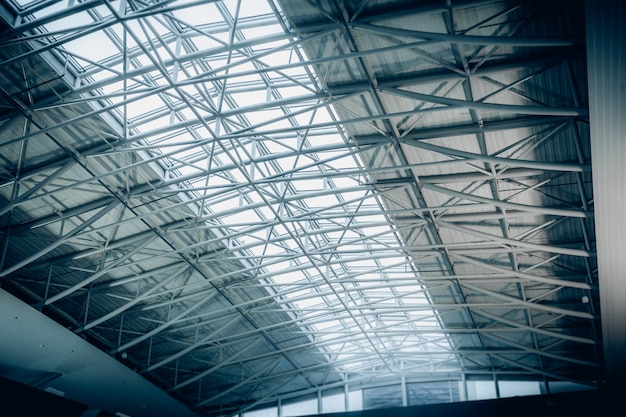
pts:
[487, 163]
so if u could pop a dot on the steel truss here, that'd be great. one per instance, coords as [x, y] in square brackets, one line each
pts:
[252, 205]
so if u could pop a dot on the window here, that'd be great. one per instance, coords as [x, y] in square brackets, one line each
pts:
[383, 397]
[481, 390]
[335, 403]
[518, 388]
[264, 412]
[433, 392]
[300, 408]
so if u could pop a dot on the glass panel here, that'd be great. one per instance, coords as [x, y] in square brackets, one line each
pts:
[433, 392]
[300, 408]
[355, 400]
[335, 403]
[265, 412]
[382, 397]
[481, 390]
[515, 388]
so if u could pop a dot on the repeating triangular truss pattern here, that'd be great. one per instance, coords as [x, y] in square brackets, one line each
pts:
[245, 200]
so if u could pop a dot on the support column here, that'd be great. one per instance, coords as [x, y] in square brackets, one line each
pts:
[606, 65]
[320, 406]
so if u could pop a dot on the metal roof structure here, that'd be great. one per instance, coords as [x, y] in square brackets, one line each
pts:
[251, 200]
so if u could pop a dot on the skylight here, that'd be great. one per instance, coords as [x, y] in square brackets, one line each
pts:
[219, 87]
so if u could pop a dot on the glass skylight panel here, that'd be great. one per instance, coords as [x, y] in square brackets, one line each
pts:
[271, 154]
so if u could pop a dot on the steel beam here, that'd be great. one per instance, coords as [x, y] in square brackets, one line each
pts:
[61, 240]
[508, 162]
[455, 104]
[523, 275]
[165, 325]
[550, 211]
